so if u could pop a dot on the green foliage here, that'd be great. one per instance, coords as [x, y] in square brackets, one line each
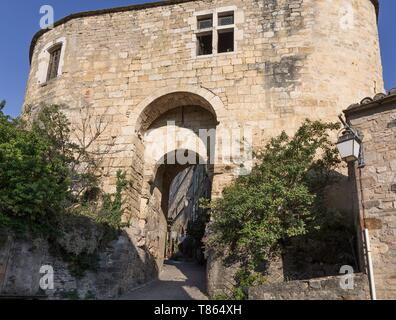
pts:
[3, 240]
[77, 265]
[112, 207]
[71, 295]
[40, 174]
[106, 209]
[90, 296]
[280, 199]
[46, 178]
[4, 220]
[196, 229]
[34, 174]
[245, 279]
[221, 296]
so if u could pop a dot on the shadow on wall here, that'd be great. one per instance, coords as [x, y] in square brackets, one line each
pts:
[323, 252]
[94, 270]
[319, 254]
[124, 266]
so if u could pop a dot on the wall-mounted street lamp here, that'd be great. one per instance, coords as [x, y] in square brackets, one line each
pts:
[350, 147]
[350, 144]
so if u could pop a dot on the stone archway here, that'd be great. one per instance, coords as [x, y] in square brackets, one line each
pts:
[191, 95]
[169, 140]
[157, 204]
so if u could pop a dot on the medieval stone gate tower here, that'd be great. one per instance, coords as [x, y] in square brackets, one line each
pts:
[213, 64]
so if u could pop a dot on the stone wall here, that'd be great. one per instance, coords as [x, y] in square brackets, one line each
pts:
[121, 267]
[294, 59]
[306, 258]
[328, 288]
[220, 275]
[376, 184]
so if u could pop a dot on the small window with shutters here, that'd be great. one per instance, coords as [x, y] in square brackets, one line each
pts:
[53, 67]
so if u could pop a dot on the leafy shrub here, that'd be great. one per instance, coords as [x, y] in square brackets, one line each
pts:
[245, 279]
[71, 295]
[112, 205]
[41, 172]
[221, 296]
[46, 178]
[282, 198]
[34, 174]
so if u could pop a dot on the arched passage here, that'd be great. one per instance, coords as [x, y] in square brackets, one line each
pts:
[180, 188]
[166, 171]
[177, 131]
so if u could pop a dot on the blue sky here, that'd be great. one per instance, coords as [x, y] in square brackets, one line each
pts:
[19, 21]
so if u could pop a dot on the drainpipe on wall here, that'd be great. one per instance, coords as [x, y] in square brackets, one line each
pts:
[370, 271]
[370, 265]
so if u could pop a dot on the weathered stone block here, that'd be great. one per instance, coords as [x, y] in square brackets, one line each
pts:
[328, 288]
[371, 204]
[373, 223]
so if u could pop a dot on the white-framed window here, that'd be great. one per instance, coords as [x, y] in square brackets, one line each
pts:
[215, 33]
[53, 66]
[50, 61]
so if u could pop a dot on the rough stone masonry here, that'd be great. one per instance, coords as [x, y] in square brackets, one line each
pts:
[291, 59]
[375, 119]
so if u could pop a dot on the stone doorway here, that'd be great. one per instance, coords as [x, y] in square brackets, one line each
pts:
[177, 133]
